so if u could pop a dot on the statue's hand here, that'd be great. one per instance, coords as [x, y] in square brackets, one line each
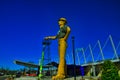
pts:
[46, 38]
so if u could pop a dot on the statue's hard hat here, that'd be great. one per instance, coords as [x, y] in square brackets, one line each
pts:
[63, 19]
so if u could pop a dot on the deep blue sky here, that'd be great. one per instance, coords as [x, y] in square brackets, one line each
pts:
[24, 24]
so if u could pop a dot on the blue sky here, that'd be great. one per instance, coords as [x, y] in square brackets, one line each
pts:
[24, 24]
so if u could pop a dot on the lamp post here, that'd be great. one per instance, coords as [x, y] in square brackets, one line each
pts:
[74, 57]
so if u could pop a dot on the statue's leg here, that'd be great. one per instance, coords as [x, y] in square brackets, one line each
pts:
[61, 74]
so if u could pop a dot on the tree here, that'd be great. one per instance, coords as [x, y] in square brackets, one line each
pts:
[109, 71]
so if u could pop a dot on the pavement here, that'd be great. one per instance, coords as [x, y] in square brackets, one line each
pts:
[3, 77]
[49, 78]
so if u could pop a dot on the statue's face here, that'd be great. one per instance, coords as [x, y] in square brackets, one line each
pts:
[60, 22]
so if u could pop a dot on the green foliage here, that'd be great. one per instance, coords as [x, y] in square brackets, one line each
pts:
[110, 71]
